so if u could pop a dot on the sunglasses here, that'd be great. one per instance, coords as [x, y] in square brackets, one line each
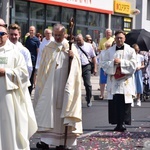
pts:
[3, 25]
[2, 33]
[89, 40]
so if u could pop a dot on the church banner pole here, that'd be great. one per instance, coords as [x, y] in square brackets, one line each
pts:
[70, 34]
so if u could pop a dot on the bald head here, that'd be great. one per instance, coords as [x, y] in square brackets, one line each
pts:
[2, 23]
[88, 38]
[32, 31]
[79, 39]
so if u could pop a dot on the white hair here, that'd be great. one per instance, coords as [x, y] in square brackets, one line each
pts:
[59, 27]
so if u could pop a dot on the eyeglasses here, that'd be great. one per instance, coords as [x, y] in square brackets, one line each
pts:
[89, 40]
[2, 33]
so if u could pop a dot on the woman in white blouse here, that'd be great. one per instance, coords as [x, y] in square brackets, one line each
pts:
[138, 73]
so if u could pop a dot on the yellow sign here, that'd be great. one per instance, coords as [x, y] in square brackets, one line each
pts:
[122, 7]
[127, 19]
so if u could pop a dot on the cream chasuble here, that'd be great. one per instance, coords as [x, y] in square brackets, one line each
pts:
[57, 95]
[17, 119]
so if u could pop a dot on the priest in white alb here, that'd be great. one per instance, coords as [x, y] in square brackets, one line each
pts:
[58, 93]
[119, 63]
[17, 119]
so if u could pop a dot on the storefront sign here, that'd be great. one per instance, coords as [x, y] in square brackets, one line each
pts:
[103, 6]
[122, 7]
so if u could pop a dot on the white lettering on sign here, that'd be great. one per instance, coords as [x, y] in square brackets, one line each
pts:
[82, 1]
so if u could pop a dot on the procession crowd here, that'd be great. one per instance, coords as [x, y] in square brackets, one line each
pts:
[54, 64]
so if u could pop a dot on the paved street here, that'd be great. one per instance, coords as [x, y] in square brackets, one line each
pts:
[98, 133]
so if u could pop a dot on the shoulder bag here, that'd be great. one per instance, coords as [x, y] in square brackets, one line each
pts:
[91, 63]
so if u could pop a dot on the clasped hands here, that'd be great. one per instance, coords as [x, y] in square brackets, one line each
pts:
[117, 61]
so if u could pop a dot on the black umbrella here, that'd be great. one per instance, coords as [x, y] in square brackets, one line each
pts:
[140, 37]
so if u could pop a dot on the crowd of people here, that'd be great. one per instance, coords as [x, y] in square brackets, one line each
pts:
[48, 64]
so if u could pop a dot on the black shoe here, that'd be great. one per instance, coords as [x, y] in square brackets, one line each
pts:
[120, 128]
[42, 145]
[61, 147]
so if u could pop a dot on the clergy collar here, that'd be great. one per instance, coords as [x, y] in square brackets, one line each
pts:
[120, 48]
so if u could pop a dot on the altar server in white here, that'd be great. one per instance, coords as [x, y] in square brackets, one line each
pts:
[120, 64]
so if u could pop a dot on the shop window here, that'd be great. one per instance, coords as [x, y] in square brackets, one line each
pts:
[103, 20]
[39, 25]
[81, 17]
[37, 11]
[37, 17]
[96, 19]
[66, 14]
[20, 9]
[53, 13]
[116, 23]
[81, 30]
[50, 25]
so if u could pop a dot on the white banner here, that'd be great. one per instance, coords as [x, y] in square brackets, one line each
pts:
[105, 6]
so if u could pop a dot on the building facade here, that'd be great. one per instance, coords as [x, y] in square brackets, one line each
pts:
[90, 16]
[142, 20]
